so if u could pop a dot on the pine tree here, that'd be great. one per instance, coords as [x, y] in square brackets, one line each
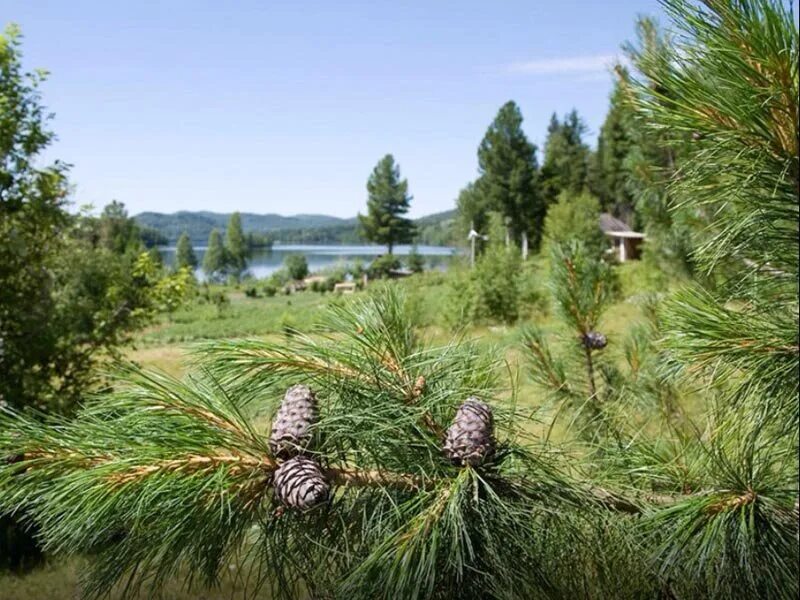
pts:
[214, 260]
[184, 253]
[509, 171]
[609, 175]
[654, 159]
[235, 246]
[388, 200]
[566, 157]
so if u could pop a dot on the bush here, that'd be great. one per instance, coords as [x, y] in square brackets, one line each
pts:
[296, 266]
[501, 288]
[415, 261]
[269, 290]
[575, 218]
[221, 302]
[382, 265]
[251, 292]
[496, 285]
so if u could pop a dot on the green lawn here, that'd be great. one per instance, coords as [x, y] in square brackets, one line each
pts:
[164, 345]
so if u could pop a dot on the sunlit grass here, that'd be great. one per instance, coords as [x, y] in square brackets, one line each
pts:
[165, 345]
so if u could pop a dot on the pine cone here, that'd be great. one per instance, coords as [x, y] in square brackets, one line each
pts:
[470, 438]
[594, 340]
[300, 483]
[292, 427]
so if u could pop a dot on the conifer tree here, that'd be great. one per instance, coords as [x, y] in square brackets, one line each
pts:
[388, 200]
[508, 176]
[655, 158]
[184, 253]
[235, 246]
[214, 261]
[566, 157]
[609, 173]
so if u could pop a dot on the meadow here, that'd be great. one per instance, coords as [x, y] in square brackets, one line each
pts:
[166, 345]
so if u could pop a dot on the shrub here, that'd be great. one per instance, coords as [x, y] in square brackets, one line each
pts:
[269, 290]
[501, 288]
[380, 267]
[251, 292]
[575, 218]
[415, 261]
[296, 266]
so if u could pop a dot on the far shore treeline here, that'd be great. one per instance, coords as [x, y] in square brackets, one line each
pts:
[432, 230]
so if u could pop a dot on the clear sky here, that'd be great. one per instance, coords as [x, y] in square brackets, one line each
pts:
[285, 107]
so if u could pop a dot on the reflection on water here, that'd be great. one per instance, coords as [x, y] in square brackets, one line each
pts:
[265, 262]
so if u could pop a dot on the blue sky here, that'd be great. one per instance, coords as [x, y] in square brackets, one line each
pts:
[286, 106]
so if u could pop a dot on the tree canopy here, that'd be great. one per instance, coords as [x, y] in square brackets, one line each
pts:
[508, 175]
[388, 200]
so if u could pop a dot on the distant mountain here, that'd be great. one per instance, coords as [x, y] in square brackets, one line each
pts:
[433, 229]
[199, 224]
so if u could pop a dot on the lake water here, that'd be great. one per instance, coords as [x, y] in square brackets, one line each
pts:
[265, 262]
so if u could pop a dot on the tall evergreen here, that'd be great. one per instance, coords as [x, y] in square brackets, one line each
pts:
[656, 156]
[184, 253]
[214, 261]
[566, 157]
[610, 164]
[235, 246]
[509, 172]
[388, 200]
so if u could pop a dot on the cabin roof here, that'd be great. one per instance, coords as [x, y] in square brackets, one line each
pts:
[615, 227]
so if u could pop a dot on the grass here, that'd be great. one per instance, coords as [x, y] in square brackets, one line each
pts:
[60, 580]
[164, 344]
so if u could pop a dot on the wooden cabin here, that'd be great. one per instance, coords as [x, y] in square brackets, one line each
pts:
[627, 243]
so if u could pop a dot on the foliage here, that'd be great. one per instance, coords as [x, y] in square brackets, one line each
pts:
[654, 158]
[501, 288]
[214, 260]
[583, 284]
[575, 218]
[736, 68]
[415, 261]
[508, 168]
[236, 250]
[296, 266]
[184, 253]
[473, 209]
[387, 202]
[566, 157]
[69, 291]
[609, 173]
[381, 266]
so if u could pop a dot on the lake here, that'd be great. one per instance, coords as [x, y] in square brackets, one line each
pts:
[264, 262]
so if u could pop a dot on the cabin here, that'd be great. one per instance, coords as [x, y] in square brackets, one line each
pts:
[627, 243]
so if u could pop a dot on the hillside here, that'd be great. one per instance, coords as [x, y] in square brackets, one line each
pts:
[433, 229]
[199, 224]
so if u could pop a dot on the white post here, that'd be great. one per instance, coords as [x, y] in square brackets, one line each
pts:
[472, 243]
[524, 245]
[621, 250]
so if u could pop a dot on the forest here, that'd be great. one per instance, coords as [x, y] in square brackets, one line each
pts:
[544, 418]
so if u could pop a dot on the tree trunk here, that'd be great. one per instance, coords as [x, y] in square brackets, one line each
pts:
[524, 245]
